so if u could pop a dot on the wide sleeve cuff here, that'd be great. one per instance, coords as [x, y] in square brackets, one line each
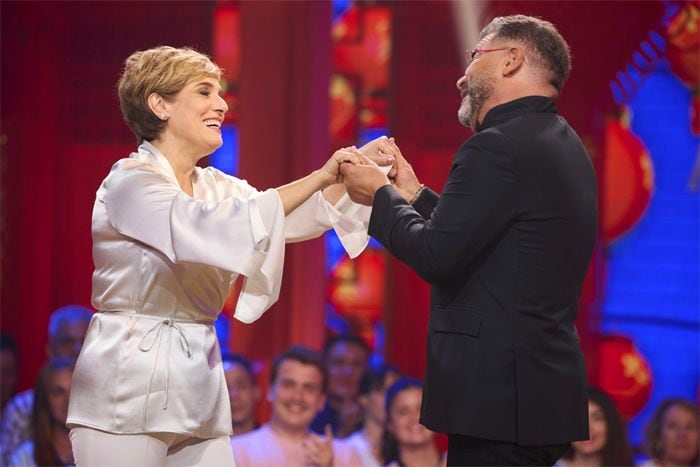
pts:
[316, 215]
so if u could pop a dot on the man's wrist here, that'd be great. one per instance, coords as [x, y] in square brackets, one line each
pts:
[417, 194]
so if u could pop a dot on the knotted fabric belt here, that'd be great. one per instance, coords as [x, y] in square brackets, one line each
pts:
[152, 338]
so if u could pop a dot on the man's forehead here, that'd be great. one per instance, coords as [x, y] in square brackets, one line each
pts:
[299, 372]
[485, 40]
[72, 327]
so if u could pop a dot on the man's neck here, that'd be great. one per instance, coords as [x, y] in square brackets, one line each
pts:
[286, 432]
[243, 427]
[503, 96]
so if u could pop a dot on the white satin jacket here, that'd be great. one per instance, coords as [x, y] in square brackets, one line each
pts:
[164, 262]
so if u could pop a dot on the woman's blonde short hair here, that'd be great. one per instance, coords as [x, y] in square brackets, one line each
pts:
[165, 71]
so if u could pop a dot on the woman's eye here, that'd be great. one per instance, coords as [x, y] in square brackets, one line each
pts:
[204, 93]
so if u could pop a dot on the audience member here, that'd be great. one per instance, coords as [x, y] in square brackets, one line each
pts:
[407, 443]
[9, 367]
[672, 434]
[298, 385]
[346, 358]
[243, 392]
[368, 440]
[608, 443]
[67, 328]
[50, 444]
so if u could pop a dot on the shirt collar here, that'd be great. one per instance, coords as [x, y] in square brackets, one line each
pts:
[158, 159]
[515, 108]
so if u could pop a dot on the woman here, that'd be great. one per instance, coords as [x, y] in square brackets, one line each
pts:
[672, 436]
[50, 444]
[407, 442]
[169, 238]
[367, 441]
[608, 443]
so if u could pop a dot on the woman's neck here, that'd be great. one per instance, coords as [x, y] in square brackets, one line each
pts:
[425, 455]
[585, 460]
[61, 443]
[372, 431]
[182, 163]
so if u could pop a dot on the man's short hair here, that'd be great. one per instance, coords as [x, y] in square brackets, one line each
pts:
[375, 377]
[69, 314]
[301, 354]
[545, 47]
[7, 343]
[347, 338]
[239, 359]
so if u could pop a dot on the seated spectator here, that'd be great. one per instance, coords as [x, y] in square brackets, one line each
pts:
[67, 328]
[608, 443]
[672, 435]
[9, 367]
[243, 392]
[406, 442]
[368, 440]
[346, 360]
[50, 444]
[298, 383]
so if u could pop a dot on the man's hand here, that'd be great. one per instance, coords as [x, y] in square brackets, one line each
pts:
[402, 174]
[363, 181]
[319, 451]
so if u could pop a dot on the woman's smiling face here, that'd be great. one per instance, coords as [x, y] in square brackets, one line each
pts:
[196, 115]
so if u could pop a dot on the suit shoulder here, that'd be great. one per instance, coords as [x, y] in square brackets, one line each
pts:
[486, 147]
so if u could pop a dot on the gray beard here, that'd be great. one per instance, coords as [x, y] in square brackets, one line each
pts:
[479, 92]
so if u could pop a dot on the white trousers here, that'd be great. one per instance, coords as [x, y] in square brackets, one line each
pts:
[95, 448]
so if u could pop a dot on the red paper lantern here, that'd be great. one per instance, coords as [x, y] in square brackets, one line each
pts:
[356, 288]
[628, 179]
[624, 374]
[683, 52]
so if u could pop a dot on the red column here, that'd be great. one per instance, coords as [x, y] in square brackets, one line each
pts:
[285, 66]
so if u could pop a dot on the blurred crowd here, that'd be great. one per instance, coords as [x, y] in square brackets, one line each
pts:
[327, 407]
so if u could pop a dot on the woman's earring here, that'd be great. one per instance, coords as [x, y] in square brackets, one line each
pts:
[164, 117]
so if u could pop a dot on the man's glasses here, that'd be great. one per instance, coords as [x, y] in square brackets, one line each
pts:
[473, 53]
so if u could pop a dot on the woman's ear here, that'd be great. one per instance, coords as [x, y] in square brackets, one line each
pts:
[158, 106]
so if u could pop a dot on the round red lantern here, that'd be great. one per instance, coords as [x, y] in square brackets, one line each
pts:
[628, 179]
[356, 287]
[624, 374]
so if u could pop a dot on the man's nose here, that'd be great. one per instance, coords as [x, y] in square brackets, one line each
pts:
[461, 81]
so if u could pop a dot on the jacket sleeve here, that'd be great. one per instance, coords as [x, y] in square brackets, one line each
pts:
[477, 203]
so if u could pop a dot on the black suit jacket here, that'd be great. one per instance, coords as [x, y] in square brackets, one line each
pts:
[505, 248]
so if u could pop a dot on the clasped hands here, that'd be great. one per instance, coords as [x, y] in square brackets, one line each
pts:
[374, 165]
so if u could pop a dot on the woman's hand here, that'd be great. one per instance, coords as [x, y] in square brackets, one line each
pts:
[330, 169]
[381, 151]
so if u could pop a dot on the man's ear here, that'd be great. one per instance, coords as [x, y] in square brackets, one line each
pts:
[158, 106]
[514, 61]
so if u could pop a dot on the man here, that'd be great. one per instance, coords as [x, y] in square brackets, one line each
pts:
[67, 328]
[297, 392]
[346, 360]
[9, 357]
[505, 248]
[243, 392]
